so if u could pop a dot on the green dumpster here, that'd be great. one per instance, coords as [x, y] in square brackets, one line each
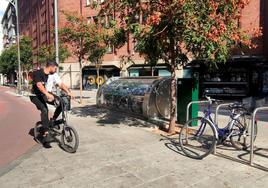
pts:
[187, 91]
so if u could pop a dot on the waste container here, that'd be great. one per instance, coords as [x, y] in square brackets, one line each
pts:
[187, 91]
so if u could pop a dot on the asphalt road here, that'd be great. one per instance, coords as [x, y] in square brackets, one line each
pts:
[17, 117]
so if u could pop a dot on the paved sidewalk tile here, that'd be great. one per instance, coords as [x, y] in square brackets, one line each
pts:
[117, 155]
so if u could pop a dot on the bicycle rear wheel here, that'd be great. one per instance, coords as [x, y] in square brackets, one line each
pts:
[241, 132]
[197, 138]
[69, 139]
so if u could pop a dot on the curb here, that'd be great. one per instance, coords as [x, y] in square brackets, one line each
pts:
[10, 166]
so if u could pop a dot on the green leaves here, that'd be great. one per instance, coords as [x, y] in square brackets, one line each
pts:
[87, 39]
[9, 57]
[48, 53]
[205, 29]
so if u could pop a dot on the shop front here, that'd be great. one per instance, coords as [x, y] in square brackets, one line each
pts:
[237, 78]
[147, 70]
[93, 76]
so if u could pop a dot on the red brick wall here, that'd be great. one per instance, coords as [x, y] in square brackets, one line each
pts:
[253, 17]
[36, 20]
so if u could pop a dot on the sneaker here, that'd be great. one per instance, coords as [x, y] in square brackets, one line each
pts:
[46, 145]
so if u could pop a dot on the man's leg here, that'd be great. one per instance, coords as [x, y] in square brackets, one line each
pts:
[41, 105]
[57, 111]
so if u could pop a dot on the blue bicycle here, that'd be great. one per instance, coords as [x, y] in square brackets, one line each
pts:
[199, 135]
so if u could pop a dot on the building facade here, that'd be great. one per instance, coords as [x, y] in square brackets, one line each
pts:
[9, 38]
[36, 19]
[9, 26]
[244, 74]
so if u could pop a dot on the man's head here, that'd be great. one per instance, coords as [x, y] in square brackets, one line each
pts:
[52, 66]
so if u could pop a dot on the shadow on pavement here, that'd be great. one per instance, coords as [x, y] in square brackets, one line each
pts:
[110, 116]
[172, 144]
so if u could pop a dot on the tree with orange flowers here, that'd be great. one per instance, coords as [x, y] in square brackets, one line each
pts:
[176, 30]
[87, 41]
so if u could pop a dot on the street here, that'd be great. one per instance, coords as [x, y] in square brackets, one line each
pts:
[117, 150]
[17, 117]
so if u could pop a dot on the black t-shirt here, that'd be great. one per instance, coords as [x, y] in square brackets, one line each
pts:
[39, 76]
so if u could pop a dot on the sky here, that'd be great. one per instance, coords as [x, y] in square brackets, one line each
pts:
[3, 6]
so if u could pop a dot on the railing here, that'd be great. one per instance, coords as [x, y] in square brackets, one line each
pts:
[253, 133]
[190, 104]
[216, 120]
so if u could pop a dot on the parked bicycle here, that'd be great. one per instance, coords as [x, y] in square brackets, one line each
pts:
[68, 140]
[199, 135]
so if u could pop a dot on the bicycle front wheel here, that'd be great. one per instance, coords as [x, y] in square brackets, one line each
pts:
[197, 138]
[69, 139]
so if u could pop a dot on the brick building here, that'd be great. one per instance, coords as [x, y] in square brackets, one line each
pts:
[9, 38]
[245, 74]
[36, 19]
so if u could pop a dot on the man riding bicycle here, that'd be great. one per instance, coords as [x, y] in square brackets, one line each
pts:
[44, 82]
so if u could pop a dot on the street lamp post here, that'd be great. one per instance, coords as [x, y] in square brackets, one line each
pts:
[56, 31]
[56, 38]
[14, 3]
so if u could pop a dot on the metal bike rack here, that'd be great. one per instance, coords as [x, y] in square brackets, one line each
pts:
[216, 120]
[252, 132]
[190, 104]
[217, 111]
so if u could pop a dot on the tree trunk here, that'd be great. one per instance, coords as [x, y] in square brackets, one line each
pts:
[27, 83]
[173, 97]
[81, 80]
[98, 74]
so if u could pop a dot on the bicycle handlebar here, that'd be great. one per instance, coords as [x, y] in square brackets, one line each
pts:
[212, 100]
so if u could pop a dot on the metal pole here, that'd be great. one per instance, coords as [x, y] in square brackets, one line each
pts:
[56, 31]
[18, 44]
[252, 137]
[56, 39]
[217, 111]
[253, 132]
[189, 105]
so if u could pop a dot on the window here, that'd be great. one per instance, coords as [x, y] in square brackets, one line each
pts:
[110, 20]
[95, 19]
[88, 2]
[103, 21]
[109, 48]
[89, 20]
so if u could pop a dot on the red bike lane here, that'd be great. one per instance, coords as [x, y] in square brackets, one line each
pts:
[17, 117]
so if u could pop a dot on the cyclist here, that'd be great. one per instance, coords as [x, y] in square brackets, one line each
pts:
[43, 84]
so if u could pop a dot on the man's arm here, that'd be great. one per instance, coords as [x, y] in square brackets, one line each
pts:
[66, 89]
[62, 85]
[44, 91]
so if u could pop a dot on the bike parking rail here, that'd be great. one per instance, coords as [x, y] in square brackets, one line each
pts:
[217, 111]
[190, 104]
[252, 132]
[216, 120]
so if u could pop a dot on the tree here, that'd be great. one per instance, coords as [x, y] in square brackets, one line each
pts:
[8, 61]
[176, 30]
[86, 40]
[26, 55]
[9, 57]
[48, 53]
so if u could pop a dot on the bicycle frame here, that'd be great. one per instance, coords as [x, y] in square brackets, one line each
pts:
[64, 111]
[219, 132]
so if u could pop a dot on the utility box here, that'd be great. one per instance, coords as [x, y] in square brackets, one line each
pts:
[187, 91]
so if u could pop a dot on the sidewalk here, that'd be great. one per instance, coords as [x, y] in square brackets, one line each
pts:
[88, 96]
[118, 151]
